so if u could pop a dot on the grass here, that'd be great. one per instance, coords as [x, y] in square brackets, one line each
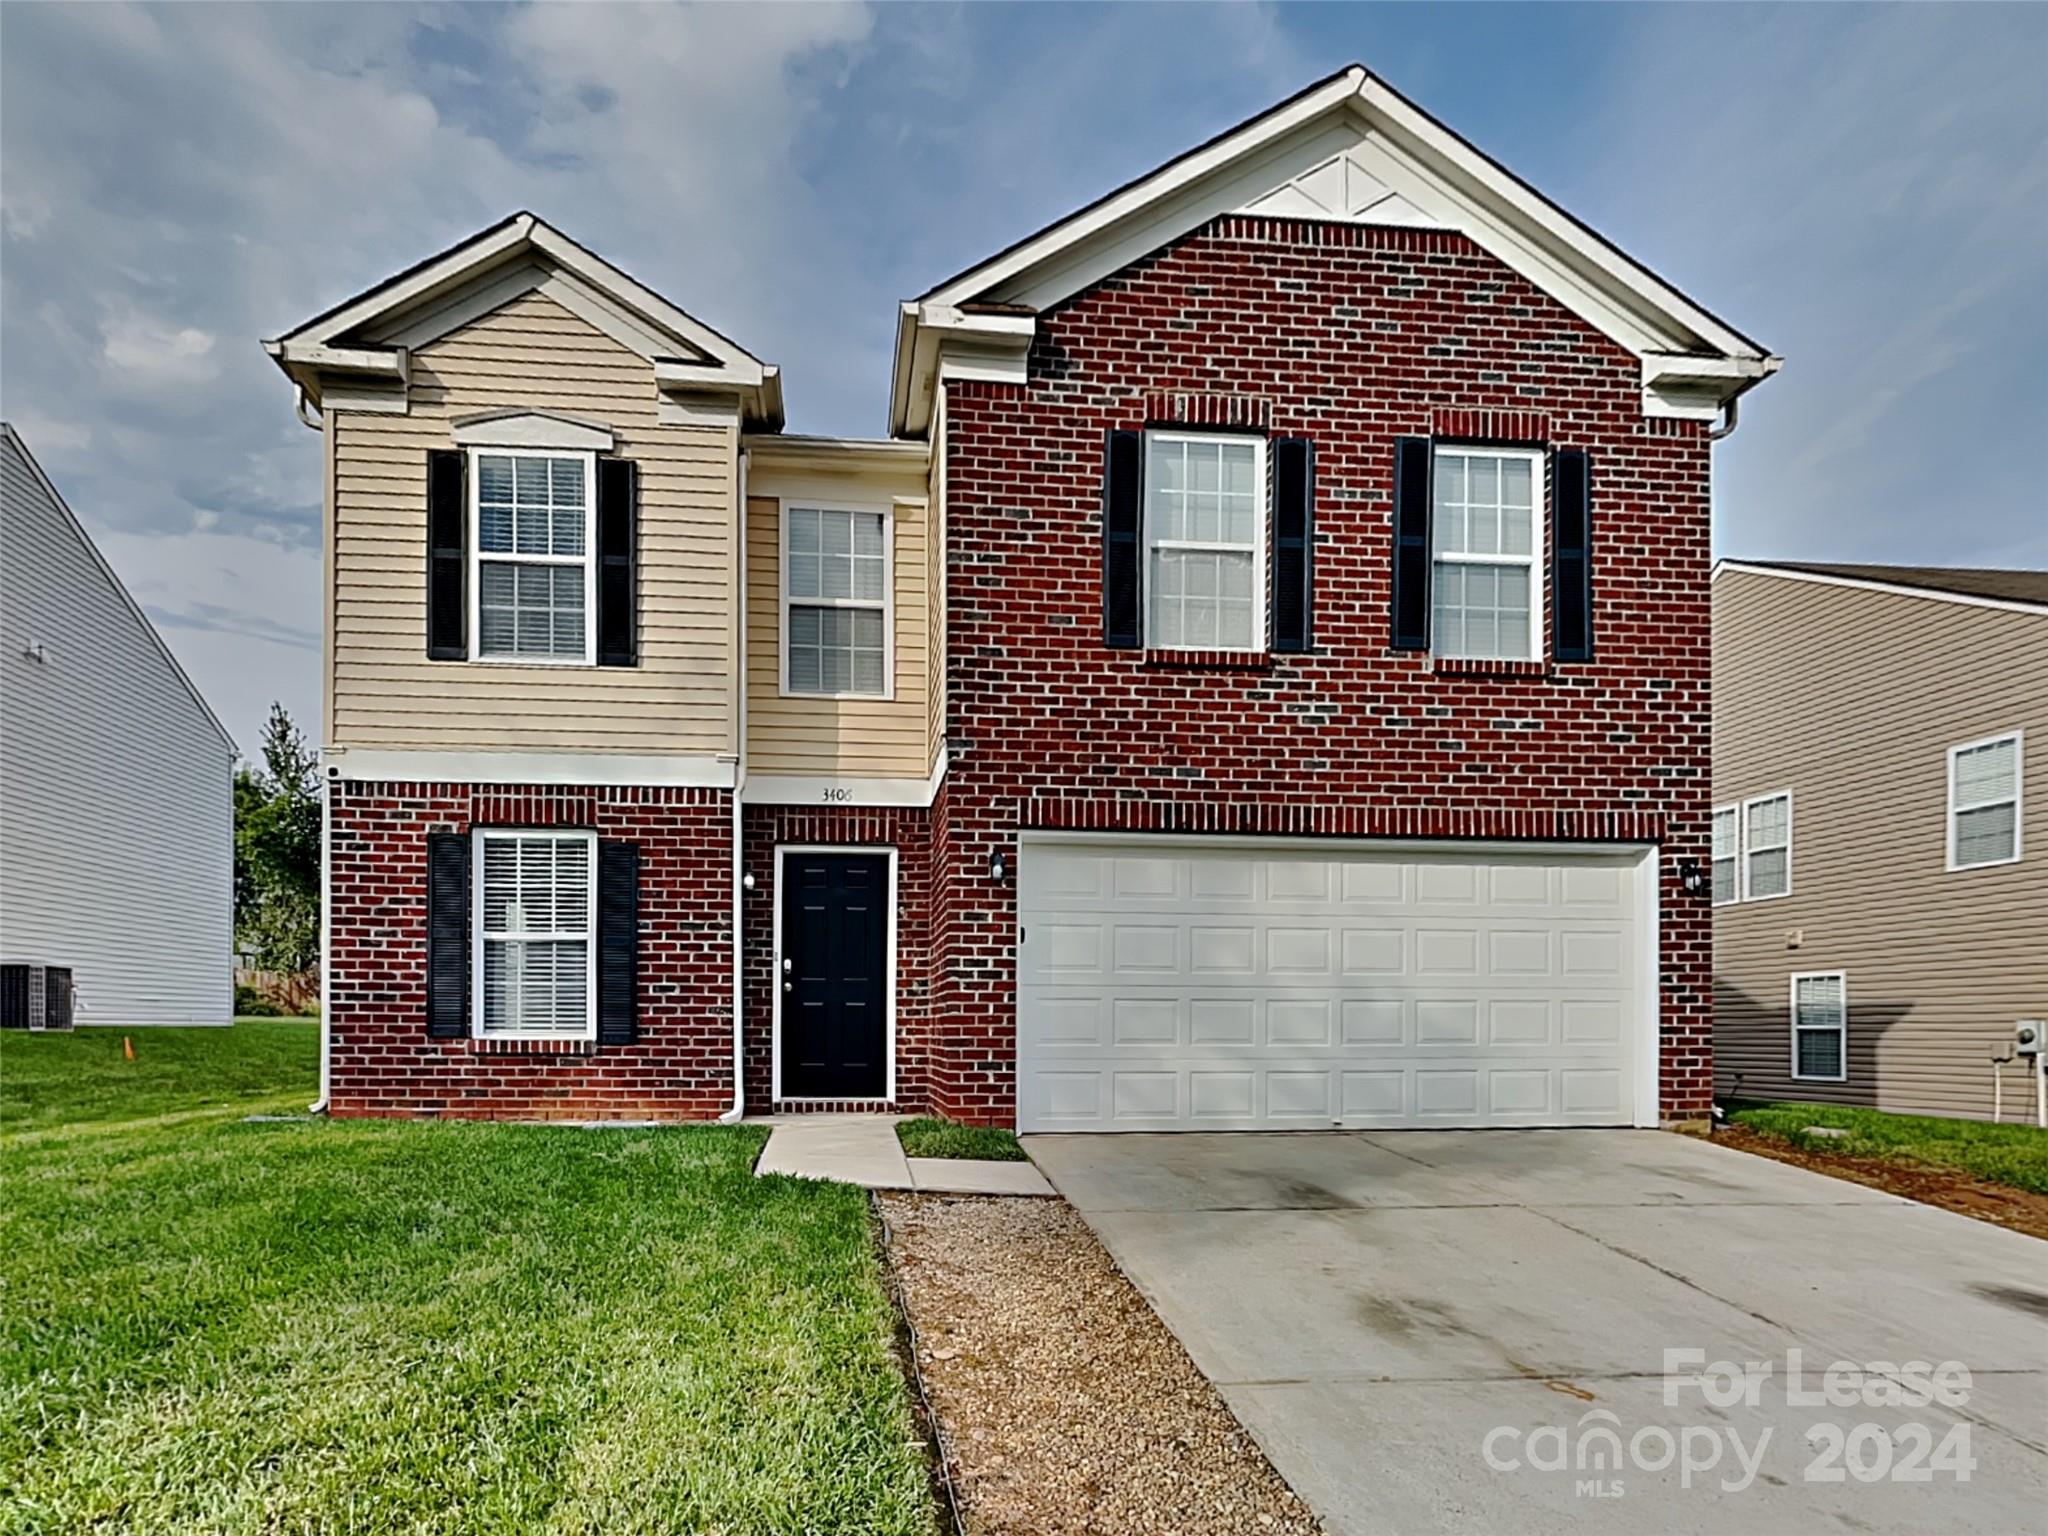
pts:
[214, 1326]
[930, 1136]
[2013, 1155]
[260, 1066]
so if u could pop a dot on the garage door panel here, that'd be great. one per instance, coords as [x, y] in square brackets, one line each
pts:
[1230, 987]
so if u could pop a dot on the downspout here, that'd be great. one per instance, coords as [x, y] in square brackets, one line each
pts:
[1730, 414]
[739, 782]
[317, 421]
[319, 1105]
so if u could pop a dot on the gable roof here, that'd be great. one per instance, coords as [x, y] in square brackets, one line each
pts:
[1349, 148]
[13, 439]
[369, 336]
[2018, 588]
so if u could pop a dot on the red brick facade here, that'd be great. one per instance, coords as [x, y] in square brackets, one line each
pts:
[380, 1059]
[909, 833]
[1351, 336]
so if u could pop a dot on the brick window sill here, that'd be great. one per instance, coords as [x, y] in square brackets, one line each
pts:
[1479, 666]
[487, 1047]
[1209, 661]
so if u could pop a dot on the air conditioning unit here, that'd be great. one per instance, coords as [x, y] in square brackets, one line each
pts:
[35, 997]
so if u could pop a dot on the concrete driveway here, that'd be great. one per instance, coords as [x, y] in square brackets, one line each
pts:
[1418, 1327]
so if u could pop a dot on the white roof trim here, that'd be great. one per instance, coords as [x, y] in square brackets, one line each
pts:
[56, 498]
[1168, 179]
[1894, 589]
[1433, 174]
[532, 429]
[485, 271]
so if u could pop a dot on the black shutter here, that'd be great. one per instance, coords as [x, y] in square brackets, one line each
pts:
[1414, 462]
[447, 935]
[618, 943]
[1294, 518]
[1122, 559]
[618, 484]
[447, 555]
[1571, 489]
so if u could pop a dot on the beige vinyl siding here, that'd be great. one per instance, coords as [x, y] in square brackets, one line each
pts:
[838, 737]
[1851, 699]
[532, 353]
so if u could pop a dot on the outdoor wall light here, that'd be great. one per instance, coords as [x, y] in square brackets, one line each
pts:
[1692, 877]
[998, 867]
[747, 881]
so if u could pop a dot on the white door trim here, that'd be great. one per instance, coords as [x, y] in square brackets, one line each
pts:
[1646, 869]
[872, 850]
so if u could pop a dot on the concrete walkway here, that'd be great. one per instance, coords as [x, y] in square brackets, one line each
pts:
[863, 1149]
[1406, 1322]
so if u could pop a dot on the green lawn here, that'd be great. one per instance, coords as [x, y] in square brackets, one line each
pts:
[260, 1066]
[929, 1136]
[207, 1325]
[2015, 1155]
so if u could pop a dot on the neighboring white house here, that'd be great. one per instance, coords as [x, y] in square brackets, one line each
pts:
[116, 781]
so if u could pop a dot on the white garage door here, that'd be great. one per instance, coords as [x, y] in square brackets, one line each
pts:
[1205, 986]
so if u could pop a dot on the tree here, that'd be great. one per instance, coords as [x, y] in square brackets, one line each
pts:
[277, 850]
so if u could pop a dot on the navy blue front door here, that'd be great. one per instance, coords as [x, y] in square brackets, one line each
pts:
[834, 975]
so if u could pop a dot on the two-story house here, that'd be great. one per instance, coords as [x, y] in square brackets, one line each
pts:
[1880, 856]
[1261, 681]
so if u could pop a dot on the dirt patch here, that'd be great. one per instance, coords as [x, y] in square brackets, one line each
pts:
[2019, 1209]
[1065, 1405]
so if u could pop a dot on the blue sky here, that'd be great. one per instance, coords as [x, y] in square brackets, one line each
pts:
[1865, 190]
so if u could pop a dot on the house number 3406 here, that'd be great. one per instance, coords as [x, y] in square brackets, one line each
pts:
[836, 794]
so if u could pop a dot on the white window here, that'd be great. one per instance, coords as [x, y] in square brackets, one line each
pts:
[1727, 849]
[1820, 1026]
[1486, 577]
[835, 590]
[536, 933]
[1984, 802]
[1767, 846]
[1205, 542]
[532, 580]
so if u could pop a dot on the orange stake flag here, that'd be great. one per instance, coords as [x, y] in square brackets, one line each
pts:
[128, 1047]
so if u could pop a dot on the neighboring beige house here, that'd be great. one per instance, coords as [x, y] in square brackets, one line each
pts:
[1880, 869]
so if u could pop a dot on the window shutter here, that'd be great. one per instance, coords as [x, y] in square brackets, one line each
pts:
[1571, 482]
[618, 943]
[1294, 497]
[1414, 462]
[447, 555]
[1122, 556]
[447, 935]
[618, 625]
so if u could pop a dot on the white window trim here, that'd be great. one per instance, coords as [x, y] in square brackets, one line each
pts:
[587, 560]
[887, 512]
[1261, 640]
[1841, 1029]
[1733, 808]
[2019, 781]
[1536, 561]
[1743, 850]
[478, 838]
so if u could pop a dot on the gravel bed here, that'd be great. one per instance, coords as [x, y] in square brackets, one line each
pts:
[1065, 1404]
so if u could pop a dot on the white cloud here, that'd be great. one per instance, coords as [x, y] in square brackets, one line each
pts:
[156, 353]
[51, 440]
